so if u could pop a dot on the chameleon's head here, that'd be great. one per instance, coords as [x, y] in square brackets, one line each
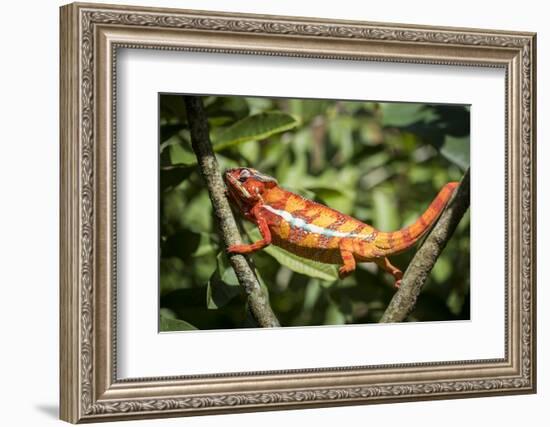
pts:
[246, 185]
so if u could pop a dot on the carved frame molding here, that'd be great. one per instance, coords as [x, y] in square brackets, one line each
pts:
[90, 36]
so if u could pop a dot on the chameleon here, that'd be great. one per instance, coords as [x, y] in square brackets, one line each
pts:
[315, 231]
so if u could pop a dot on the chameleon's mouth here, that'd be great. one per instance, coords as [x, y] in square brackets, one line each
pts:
[235, 186]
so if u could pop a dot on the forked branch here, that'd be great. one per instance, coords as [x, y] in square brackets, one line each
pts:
[424, 259]
[200, 140]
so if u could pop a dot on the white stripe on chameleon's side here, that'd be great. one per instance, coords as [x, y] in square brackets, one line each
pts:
[312, 228]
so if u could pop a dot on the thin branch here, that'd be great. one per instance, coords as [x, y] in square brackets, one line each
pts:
[424, 259]
[210, 171]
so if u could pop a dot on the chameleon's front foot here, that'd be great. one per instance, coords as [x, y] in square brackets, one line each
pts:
[240, 249]
[247, 249]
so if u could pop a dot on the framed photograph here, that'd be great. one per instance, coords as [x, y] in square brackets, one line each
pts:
[267, 212]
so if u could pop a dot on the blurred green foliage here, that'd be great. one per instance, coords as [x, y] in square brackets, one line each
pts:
[382, 163]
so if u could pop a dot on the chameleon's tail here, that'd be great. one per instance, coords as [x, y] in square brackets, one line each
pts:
[403, 239]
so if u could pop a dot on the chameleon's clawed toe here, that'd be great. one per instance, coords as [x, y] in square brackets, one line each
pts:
[343, 272]
[234, 249]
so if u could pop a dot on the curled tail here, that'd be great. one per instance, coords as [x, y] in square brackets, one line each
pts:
[397, 241]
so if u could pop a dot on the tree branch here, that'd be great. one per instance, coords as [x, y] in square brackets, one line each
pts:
[210, 171]
[424, 259]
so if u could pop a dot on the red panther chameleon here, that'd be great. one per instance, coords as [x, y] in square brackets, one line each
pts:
[312, 230]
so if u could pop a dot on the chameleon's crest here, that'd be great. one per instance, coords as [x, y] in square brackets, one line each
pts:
[261, 177]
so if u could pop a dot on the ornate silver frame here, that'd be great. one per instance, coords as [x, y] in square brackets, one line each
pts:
[90, 36]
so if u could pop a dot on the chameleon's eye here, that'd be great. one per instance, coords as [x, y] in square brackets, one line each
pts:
[245, 174]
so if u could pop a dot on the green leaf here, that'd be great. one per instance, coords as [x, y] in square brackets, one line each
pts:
[442, 269]
[336, 198]
[334, 189]
[295, 263]
[172, 275]
[400, 114]
[312, 293]
[259, 105]
[333, 315]
[197, 214]
[308, 108]
[180, 244]
[420, 174]
[227, 274]
[293, 165]
[371, 133]
[173, 106]
[303, 265]
[167, 325]
[172, 176]
[250, 151]
[385, 210]
[253, 128]
[180, 155]
[455, 302]
[205, 246]
[341, 136]
[457, 150]
[234, 107]
[223, 286]
[167, 132]
[187, 244]
[219, 293]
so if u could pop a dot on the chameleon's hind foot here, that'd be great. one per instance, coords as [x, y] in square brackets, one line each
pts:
[386, 265]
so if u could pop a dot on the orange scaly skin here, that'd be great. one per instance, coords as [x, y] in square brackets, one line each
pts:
[312, 230]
